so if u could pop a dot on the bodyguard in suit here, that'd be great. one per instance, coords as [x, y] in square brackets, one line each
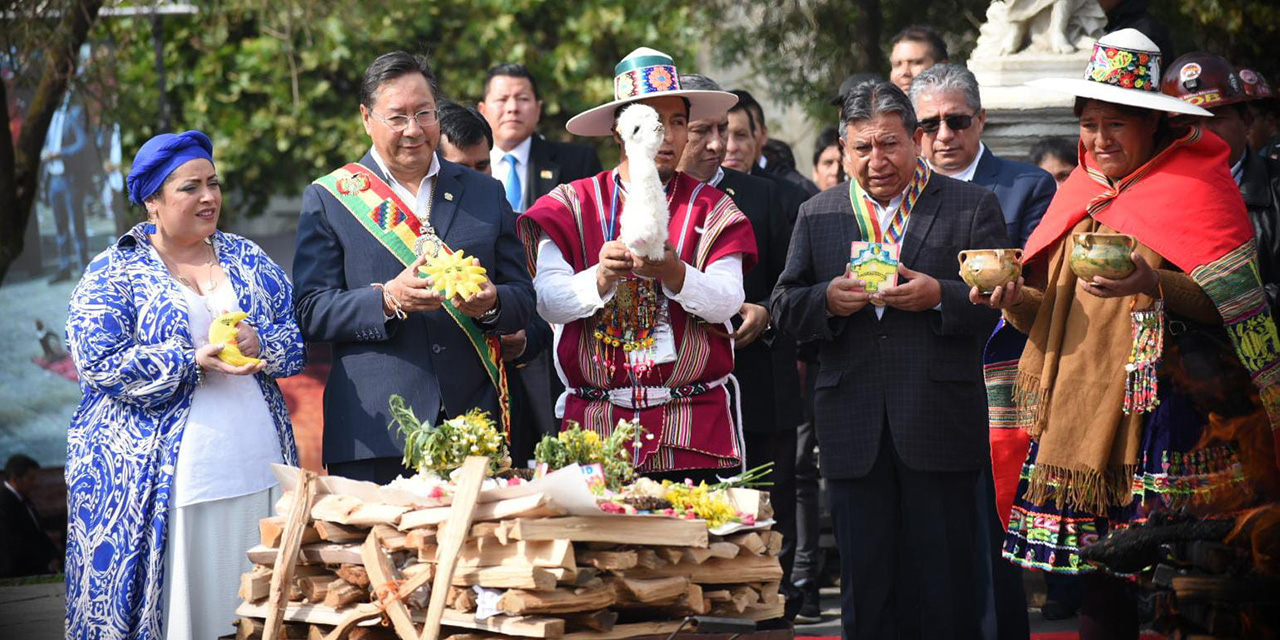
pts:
[391, 332]
[528, 165]
[743, 153]
[764, 361]
[947, 102]
[25, 549]
[899, 403]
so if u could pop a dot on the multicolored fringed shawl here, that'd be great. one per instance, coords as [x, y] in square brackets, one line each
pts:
[683, 405]
[1183, 206]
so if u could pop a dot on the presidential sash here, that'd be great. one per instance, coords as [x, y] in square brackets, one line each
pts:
[386, 217]
[865, 212]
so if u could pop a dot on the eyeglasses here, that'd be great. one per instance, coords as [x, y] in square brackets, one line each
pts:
[425, 118]
[954, 123]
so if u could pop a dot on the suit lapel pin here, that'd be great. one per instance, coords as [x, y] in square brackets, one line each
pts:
[448, 196]
[545, 174]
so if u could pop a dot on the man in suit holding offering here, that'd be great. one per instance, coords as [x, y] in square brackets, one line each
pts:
[364, 231]
[899, 404]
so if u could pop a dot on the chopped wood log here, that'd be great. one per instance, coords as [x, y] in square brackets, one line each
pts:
[749, 541]
[314, 588]
[725, 550]
[582, 576]
[255, 584]
[650, 590]
[669, 555]
[772, 541]
[768, 591]
[529, 626]
[335, 532]
[632, 630]
[622, 529]
[355, 574]
[694, 555]
[371, 514]
[420, 538]
[531, 578]
[719, 595]
[271, 529]
[247, 628]
[295, 592]
[460, 513]
[478, 530]
[519, 601]
[694, 600]
[318, 553]
[748, 568]
[334, 507]
[609, 560]
[488, 552]
[390, 538]
[383, 577]
[287, 557]
[463, 600]
[342, 593]
[602, 620]
[648, 559]
[531, 506]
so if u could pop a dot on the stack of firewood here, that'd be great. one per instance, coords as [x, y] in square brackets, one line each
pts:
[336, 566]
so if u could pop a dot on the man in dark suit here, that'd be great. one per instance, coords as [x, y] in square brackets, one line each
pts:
[759, 165]
[899, 404]
[528, 165]
[742, 155]
[390, 332]
[25, 549]
[764, 365]
[949, 107]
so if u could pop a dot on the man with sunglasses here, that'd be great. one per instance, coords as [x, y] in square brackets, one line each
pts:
[949, 106]
[947, 101]
[363, 232]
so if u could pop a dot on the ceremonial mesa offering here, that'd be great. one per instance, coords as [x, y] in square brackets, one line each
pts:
[875, 263]
[990, 269]
[1102, 254]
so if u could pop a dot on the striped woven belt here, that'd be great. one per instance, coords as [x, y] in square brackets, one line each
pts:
[645, 397]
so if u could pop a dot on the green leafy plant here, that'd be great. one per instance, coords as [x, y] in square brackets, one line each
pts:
[443, 448]
[583, 446]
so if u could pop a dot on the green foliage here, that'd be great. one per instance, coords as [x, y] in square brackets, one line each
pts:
[443, 448]
[275, 84]
[583, 447]
[1244, 32]
[801, 51]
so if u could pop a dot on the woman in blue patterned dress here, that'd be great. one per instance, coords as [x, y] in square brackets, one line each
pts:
[168, 454]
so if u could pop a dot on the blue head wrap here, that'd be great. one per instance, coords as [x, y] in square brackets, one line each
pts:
[160, 156]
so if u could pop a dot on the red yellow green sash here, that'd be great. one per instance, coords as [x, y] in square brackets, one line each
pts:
[386, 217]
[864, 211]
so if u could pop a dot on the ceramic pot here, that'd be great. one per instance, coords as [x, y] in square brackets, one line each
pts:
[1102, 254]
[989, 269]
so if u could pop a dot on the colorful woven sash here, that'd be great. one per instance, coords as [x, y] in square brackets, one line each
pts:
[864, 209]
[386, 217]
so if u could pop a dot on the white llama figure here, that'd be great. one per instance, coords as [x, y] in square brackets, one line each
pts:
[645, 216]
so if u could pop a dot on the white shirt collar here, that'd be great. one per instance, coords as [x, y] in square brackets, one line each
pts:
[1237, 169]
[520, 153]
[12, 490]
[715, 180]
[764, 162]
[391, 180]
[966, 175]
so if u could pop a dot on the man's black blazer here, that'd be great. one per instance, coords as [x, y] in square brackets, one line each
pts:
[552, 164]
[924, 368]
[25, 549]
[791, 194]
[426, 358]
[765, 369]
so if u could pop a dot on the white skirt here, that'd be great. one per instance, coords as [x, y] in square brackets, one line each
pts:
[204, 560]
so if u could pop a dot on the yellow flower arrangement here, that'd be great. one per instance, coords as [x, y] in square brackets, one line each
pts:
[703, 501]
[584, 446]
[454, 274]
[443, 448]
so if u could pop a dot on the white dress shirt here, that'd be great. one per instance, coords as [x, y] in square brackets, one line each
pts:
[966, 174]
[885, 213]
[421, 203]
[502, 169]
[1237, 169]
[564, 296]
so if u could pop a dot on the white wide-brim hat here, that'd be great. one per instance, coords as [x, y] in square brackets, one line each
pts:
[1125, 69]
[643, 74]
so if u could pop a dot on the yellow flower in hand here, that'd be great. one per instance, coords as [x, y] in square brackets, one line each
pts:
[454, 274]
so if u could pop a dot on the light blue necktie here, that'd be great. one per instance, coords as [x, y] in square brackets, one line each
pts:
[513, 183]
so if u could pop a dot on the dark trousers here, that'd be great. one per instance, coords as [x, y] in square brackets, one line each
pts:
[779, 448]
[1108, 607]
[906, 542]
[379, 470]
[1002, 599]
[807, 565]
[532, 412]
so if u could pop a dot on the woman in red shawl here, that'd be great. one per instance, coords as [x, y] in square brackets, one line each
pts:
[1101, 384]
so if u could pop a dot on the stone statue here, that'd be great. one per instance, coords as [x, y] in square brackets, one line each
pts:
[1039, 26]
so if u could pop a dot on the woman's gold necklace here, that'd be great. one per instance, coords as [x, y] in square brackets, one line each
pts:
[209, 286]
